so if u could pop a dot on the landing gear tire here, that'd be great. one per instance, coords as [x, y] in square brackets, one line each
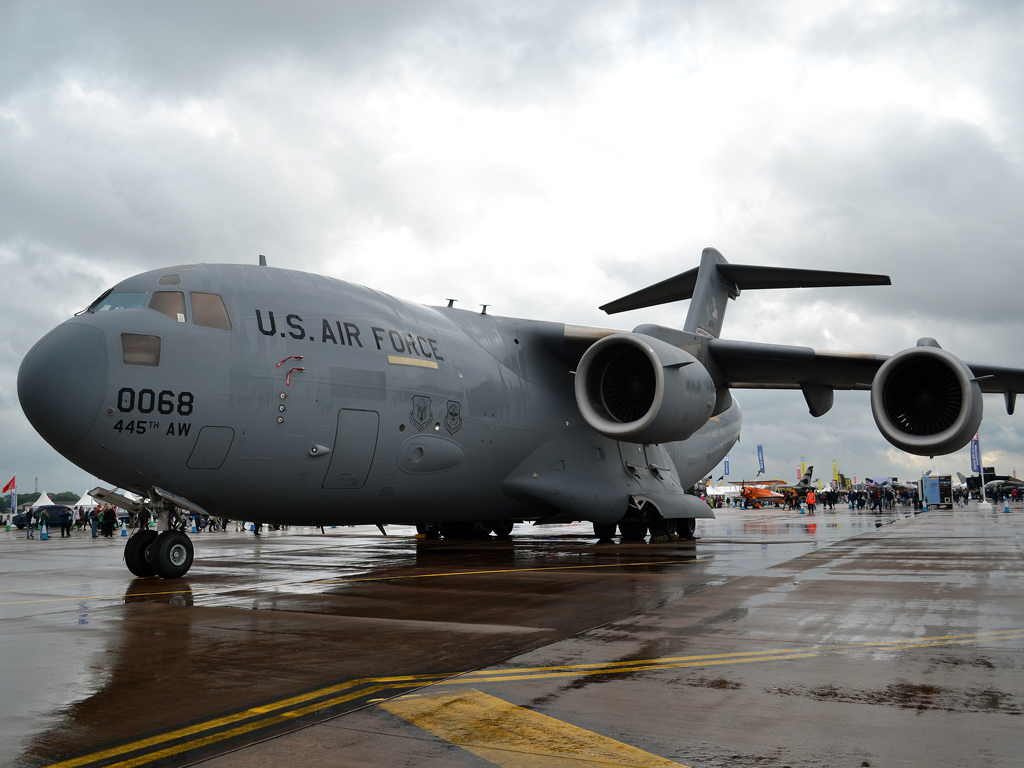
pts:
[171, 555]
[135, 550]
[604, 531]
[685, 527]
[633, 530]
[465, 530]
[502, 528]
[429, 530]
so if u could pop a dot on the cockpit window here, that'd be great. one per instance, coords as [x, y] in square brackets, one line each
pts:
[170, 303]
[119, 300]
[138, 349]
[169, 280]
[208, 310]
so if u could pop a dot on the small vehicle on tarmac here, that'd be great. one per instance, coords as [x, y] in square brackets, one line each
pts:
[58, 514]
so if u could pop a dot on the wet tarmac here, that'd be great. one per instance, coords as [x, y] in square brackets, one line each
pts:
[776, 638]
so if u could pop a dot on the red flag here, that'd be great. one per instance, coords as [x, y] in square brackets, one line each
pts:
[9, 486]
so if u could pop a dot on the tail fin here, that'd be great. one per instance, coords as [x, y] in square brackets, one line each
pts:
[716, 281]
[805, 481]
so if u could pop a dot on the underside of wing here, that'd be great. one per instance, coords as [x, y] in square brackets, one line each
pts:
[750, 365]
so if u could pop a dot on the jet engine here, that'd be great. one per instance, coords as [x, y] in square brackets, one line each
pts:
[926, 401]
[640, 389]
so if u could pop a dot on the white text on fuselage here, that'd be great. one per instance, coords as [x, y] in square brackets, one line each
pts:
[348, 334]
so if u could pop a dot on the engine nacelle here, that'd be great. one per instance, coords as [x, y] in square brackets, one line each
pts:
[640, 389]
[925, 401]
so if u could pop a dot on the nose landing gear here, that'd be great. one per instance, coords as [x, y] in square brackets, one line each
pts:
[171, 554]
[167, 554]
[136, 551]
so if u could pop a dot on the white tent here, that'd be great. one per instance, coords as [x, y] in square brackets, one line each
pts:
[86, 501]
[43, 500]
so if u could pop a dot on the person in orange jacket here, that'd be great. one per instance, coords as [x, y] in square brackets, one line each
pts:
[811, 499]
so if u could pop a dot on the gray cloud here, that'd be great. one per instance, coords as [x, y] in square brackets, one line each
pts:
[453, 148]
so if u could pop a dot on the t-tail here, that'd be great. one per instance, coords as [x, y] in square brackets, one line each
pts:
[715, 281]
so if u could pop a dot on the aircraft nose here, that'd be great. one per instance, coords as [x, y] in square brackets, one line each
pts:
[62, 383]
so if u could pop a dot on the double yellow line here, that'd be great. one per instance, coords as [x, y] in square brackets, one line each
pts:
[239, 724]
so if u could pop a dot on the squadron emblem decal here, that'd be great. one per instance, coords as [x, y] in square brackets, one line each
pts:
[420, 415]
[453, 419]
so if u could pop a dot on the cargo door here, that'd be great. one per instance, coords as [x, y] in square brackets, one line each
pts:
[354, 446]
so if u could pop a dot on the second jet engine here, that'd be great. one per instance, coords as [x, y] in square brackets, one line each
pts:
[926, 401]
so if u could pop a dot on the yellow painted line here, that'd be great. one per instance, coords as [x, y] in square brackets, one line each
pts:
[396, 360]
[216, 590]
[219, 722]
[206, 741]
[75, 584]
[642, 662]
[516, 737]
[378, 684]
[502, 570]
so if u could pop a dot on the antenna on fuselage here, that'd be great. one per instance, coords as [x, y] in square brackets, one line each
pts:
[451, 302]
[263, 260]
[484, 310]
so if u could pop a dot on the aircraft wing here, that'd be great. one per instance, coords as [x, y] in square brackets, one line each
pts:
[751, 365]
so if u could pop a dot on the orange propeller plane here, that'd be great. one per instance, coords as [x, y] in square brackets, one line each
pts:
[760, 492]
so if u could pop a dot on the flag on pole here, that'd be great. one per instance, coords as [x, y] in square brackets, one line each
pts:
[803, 467]
[975, 454]
[835, 471]
[726, 466]
[13, 488]
[760, 459]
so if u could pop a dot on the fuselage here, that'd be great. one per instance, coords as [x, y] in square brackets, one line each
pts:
[281, 396]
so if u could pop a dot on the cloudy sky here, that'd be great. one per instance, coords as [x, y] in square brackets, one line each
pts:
[541, 157]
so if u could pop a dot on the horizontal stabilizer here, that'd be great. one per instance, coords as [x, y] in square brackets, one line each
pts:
[742, 277]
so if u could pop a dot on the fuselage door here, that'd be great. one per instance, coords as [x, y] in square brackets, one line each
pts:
[354, 446]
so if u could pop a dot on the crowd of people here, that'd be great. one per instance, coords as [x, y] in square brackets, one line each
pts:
[873, 499]
[99, 521]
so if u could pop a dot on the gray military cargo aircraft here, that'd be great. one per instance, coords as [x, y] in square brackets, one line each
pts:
[284, 397]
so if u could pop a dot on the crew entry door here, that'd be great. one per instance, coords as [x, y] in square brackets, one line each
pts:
[354, 445]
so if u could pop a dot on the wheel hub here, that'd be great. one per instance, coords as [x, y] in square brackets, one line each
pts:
[177, 555]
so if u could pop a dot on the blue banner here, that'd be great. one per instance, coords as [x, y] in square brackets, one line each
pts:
[726, 466]
[975, 455]
[760, 458]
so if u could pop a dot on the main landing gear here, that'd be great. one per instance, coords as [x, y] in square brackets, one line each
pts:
[167, 554]
[633, 529]
[467, 530]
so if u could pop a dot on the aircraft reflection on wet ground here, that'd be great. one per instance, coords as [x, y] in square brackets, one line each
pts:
[260, 618]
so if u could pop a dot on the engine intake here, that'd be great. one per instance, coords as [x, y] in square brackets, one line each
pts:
[925, 401]
[640, 389]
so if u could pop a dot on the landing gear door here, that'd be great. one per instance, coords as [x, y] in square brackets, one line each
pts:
[354, 446]
[635, 461]
[661, 467]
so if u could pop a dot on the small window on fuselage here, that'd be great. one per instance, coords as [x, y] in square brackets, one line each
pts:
[169, 280]
[139, 349]
[208, 310]
[170, 303]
